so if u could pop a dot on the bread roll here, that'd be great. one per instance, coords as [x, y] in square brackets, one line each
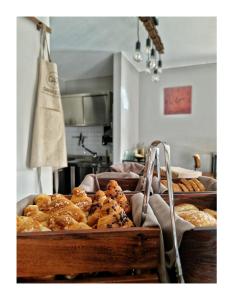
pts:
[194, 185]
[187, 184]
[199, 184]
[211, 212]
[198, 218]
[184, 207]
[176, 188]
[183, 187]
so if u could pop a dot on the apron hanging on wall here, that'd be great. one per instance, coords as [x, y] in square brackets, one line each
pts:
[48, 142]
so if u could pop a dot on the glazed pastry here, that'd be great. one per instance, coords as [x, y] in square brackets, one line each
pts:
[28, 224]
[63, 206]
[198, 218]
[94, 214]
[187, 184]
[43, 201]
[100, 197]
[113, 189]
[34, 212]
[211, 212]
[66, 222]
[114, 221]
[183, 187]
[109, 221]
[194, 185]
[184, 207]
[81, 199]
[110, 207]
[123, 202]
[199, 184]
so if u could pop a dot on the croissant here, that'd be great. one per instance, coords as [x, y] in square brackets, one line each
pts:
[43, 201]
[100, 197]
[81, 199]
[63, 206]
[113, 189]
[123, 202]
[28, 224]
[34, 212]
[66, 222]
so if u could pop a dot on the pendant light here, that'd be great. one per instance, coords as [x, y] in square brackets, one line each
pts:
[159, 65]
[148, 45]
[148, 63]
[152, 59]
[137, 54]
[155, 75]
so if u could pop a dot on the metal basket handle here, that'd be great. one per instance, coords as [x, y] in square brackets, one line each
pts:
[153, 153]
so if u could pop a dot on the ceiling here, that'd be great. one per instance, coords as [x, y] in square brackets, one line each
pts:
[83, 46]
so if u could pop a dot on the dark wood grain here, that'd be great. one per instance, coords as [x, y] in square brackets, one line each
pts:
[44, 253]
[125, 183]
[202, 199]
[142, 278]
[198, 255]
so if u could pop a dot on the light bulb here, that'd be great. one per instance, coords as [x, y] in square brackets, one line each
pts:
[159, 66]
[137, 54]
[148, 45]
[148, 68]
[152, 59]
[155, 76]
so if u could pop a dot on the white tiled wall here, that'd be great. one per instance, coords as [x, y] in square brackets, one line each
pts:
[93, 140]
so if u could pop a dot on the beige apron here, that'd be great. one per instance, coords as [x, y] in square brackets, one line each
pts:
[48, 141]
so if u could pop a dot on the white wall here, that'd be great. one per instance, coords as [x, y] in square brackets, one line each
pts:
[27, 60]
[125, 107]
[187, 134]
[90, 85]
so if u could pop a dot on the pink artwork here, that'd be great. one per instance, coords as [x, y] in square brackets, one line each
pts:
[178, 100]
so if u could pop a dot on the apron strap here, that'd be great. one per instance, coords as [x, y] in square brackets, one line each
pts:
[44, 44]
[39, 180]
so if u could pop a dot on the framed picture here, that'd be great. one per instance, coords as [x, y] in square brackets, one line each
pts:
[178, 100]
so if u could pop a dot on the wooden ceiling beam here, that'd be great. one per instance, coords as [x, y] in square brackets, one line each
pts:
[150, 26]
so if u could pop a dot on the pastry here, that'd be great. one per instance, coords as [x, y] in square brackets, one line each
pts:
[187, 184]
[94, 214]
[184, 207]
[81, 199]
[43, 201]
[34, 212]
[113, 189]
[211, 212]
[100, 197]
[63, 206]
[194, 185]
[66, 222]
[28, 224]
[123, 202]
[198, 218]
[199, 184]
[183, 187]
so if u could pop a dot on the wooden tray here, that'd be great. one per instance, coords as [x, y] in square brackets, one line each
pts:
[130, 184]
[115, 250]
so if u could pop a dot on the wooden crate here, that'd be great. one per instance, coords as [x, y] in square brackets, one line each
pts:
[130, 184]
[198, 250]
[115, 250]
